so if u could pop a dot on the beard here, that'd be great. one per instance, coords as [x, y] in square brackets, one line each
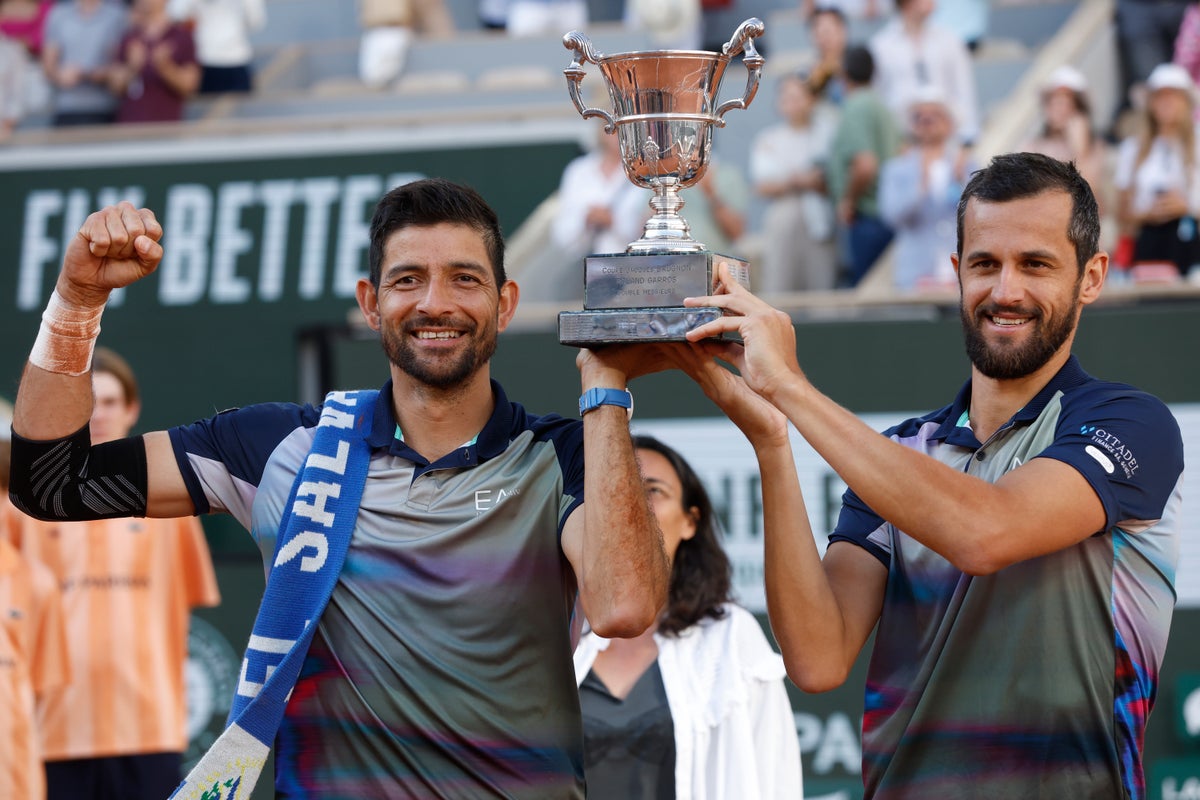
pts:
[1009, 361]
[438, 371]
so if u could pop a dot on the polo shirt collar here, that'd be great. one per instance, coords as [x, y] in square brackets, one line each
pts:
[1070, 375]
[491, 441]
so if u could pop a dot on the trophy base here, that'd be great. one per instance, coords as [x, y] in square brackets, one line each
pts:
[614, 326]
[632, 297]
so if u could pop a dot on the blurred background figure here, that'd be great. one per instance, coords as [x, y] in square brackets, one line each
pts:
[1067, 132]
[118, 728]
[852, 9]
[1157, 178]
[24, 89]
[696, 706]
[493, 14]
[866, 136]
[79, 52]
[827, 27]
[672, 24]
[1146, 31]
[545, 17]
[590, 217]
[714, 208]
[918, 196]
[156, 70]
[388, 30]
[911, 51]
[25, 21]
[33, 645]
[787, 168]
[222, 31]
[13, 63]
[1186, 52]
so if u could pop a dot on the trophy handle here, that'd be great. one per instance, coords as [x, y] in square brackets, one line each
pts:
[743, 42]
[581, 45]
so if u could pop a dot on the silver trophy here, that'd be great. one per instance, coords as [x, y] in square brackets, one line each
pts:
[664, 110]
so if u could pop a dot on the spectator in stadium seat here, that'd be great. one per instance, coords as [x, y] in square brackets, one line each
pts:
[33, 645]
[14, 61]
[388, 30]
[595, 211]
[1146, 32]
[222, 31]
[911, 51]
[493, 14]
[848, 9]
[79, 53]
[118, 728]
[671, 24]
[827, 27]
[1157, 177]
[866, 137]
[156, 70]
[25, 21]
[787, 168]
[696, 706]
[545, 17]
[1067, 132]
[918, 195]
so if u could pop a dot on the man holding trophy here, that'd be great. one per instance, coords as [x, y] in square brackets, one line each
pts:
[428, 547]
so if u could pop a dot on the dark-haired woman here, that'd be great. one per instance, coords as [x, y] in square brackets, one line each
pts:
[695, 707]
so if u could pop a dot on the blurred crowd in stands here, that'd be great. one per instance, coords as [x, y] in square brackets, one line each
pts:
[871, 145]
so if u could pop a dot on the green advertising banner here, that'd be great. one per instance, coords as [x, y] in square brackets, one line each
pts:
[258, 244]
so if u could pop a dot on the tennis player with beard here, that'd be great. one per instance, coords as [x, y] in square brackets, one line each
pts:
[441, 665]
[1014, 551]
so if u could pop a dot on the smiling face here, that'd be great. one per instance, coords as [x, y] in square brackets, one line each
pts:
[1022, 288]
[438, 308]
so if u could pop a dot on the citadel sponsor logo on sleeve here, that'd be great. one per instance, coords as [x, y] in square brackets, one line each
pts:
[1115, 454]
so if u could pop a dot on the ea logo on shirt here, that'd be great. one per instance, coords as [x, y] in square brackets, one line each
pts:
[210, 675]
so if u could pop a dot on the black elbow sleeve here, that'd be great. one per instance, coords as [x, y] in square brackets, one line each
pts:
[69, 479]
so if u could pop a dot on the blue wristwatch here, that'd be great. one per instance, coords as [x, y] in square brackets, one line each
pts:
[594, 398]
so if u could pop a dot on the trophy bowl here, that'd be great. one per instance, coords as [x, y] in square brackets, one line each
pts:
[664, 110]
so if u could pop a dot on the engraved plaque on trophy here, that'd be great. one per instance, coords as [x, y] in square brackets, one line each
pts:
[664, 109]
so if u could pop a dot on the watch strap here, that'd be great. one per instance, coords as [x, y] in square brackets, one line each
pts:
[594, 398]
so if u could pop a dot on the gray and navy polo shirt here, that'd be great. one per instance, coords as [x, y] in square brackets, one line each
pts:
[1035, 681]
[441, 667]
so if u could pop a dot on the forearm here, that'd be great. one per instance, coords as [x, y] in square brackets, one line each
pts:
[955, 514]
[804, 612]
[55, 395]
[182, 79]
[623, 568]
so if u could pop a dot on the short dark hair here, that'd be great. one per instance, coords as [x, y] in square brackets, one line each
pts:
[106, 360]
[830, 11]
[432, 201]
[1015, 176]
[858, 64]
[701, 574]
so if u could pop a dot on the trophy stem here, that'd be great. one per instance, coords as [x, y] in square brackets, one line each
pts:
[666, 229]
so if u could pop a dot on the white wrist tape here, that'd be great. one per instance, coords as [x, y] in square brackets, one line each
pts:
[67, 337]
